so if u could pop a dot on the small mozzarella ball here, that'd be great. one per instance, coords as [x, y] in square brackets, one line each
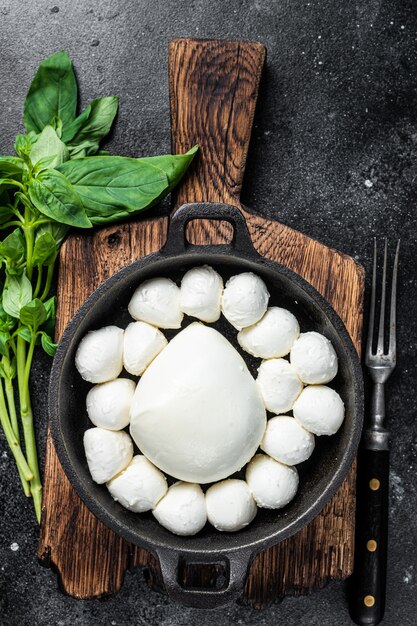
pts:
[320, 410]
[201, 292]
[244, 300]
[142, 343]
[99, 356]
[279, 385]
[230, 505]
[108, 453]
[108, 404]
[286, 441]
[273, 485]
[183, 509]
[273, 336]
[157, 301]
[140, 486]
[314, 358]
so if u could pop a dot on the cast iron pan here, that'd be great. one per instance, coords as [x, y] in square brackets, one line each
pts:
[320, 476]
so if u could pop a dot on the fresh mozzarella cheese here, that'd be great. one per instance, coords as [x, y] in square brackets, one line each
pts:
[108, 453]
[99, 357]
[197, 413]
[157, 301]
[108, 404]
[320, 410]
[140, 486]
[142, 342]
[183, 509]
[286, 441]
[273, 485]
[279, 385]
[314, 358]
[273, 336]
[245, 300]
[230, 505]
[201, 292]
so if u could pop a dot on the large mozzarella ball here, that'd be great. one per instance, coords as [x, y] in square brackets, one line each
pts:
[183, 509]
[197, 413]
[142, 343]
[279, 385]
[286, 441]
[108, 404]
[230, 505]
[99, 356]
[245, 300]
[108, 452]
[157, 301]
[320, 410]
[314, 358]
[140, 486]
[273, 336]
[273, 485]
[201, 292]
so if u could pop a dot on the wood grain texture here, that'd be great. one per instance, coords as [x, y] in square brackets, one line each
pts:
[90, 559]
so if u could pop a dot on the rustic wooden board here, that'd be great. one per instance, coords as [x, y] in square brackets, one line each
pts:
[89, 558]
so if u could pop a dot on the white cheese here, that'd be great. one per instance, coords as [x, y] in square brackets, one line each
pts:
[157, 301]
[245, 300]
[314, 358]
[140, 486]
[286, 441]
[197, 413]
[108, 404]
[230, 505]
[183, 509]
[273, 485]
[108, 453]
[273, 336]
[201, 292]
[320, 410]
[279, 385]
[99, 357]
[142, 342]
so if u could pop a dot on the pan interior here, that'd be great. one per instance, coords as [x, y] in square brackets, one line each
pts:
[319, 476]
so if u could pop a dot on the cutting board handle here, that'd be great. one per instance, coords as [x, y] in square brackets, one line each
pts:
[213, 87]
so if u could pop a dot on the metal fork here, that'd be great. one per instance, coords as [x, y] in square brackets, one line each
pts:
[367, 597]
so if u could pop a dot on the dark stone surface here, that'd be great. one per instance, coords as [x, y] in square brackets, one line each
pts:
[334, 154]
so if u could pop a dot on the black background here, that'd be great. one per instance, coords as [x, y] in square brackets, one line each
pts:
[334, 154]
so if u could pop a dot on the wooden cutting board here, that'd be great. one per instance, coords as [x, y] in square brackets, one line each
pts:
[213, 91]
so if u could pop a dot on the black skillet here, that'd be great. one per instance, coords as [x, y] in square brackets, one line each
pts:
[221, 79]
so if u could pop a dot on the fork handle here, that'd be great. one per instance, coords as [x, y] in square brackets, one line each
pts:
[368, 582]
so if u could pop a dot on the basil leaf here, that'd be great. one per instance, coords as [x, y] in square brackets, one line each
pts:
[54, 196]
[13, 246]
[56, 230]
[8, 183]
[17, 293]
[110, 184]
[45, 249]
[174, 165]
[6, 214]
[6, 321]
[48, 345]
[25, 333]
[49, 145]
[33, 314]
[4, 339]
[23, 144]
[12, 165]
[86, 148]
[72, 129]
[93, 124]
[53, 93]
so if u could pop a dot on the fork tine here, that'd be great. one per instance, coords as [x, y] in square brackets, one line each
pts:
[392, 319]
[372, 311]
[380, 345]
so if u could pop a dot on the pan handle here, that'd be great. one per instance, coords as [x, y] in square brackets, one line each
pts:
[177, 242]
[202, 597]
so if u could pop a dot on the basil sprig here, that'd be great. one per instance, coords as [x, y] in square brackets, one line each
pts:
[59, 178]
